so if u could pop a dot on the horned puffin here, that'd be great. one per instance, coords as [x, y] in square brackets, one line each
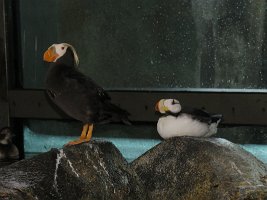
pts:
[77, 94]
[177, 121]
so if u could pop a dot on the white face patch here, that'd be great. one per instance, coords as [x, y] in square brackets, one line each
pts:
[60, 50]
[172, 105]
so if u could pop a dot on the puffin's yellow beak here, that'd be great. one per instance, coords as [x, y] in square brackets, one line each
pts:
[50, 55]
[160, 107]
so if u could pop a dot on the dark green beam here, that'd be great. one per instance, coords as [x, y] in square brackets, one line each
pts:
[237, 108]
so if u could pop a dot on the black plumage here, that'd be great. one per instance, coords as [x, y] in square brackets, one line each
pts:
[198, 114]
[75, 93]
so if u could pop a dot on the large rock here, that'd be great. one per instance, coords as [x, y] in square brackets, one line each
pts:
[201, 168]
[95, 170]
[178, 168]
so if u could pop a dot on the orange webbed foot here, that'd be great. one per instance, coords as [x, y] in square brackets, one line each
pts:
[85, 136]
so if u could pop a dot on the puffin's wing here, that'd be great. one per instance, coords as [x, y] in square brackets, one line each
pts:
[198, 114]
[52, 93]
[74, 78]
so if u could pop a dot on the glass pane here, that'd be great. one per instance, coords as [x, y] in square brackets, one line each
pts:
[162, 44]
[132, 141]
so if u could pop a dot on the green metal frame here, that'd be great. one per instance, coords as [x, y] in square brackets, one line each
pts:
[4, 108]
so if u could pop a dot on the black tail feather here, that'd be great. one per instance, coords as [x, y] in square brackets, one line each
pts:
[216, 118]
[116, 114]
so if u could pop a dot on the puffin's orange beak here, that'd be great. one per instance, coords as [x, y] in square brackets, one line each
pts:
[50, 54]
[157, 106]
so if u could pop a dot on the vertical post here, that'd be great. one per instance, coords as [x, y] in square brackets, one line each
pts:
[4, 108]
[9, 67]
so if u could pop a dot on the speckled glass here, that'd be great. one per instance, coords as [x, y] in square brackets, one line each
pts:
[136, 44]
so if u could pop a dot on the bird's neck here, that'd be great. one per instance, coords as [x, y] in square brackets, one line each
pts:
[67, 59]
[172, 114]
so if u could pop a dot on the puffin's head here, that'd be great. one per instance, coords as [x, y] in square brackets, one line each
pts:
[56, 51]
[168, 105]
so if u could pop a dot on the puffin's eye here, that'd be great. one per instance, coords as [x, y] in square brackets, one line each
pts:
[173, 102]
[62, 48]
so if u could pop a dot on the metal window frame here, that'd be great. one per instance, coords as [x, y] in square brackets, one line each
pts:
[4, 107]
[239, 107]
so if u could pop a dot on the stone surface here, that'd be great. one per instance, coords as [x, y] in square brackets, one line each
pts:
[178, 168]
[87, 171]
[201, 168]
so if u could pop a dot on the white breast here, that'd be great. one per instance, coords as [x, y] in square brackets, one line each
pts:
[184, 125]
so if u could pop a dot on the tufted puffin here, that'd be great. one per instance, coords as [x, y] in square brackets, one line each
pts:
[178, 121]
[77, 94]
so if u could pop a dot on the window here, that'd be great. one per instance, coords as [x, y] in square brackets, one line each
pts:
[206, 53]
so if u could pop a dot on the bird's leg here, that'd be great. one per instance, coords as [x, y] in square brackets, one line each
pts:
[89, 132]
[85, 136]
[84, 131]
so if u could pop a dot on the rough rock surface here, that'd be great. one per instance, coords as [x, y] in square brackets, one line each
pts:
[201, 168]
[178, 168]
[95, 170]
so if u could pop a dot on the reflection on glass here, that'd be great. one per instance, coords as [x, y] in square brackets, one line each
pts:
[150, 44]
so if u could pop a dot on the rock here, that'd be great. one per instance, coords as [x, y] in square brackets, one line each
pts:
[201, 168]
[95, 170]
[178, 168]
